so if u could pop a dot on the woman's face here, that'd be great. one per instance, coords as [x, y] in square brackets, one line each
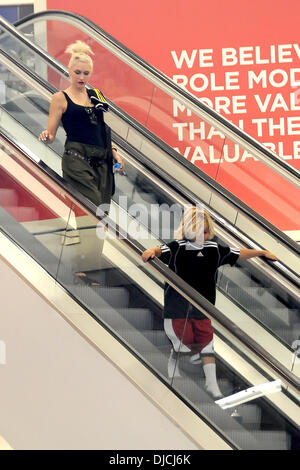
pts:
[80, 73]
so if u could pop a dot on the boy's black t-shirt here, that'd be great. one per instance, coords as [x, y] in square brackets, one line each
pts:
[197, 265]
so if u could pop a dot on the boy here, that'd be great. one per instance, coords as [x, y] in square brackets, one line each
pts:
[195, 257]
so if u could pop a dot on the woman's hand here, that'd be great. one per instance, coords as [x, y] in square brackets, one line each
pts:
[46, 137]
[118, 159]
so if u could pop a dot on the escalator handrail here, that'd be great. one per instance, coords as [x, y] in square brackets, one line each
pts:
[191, 295]
[157, 141]
[164, 82]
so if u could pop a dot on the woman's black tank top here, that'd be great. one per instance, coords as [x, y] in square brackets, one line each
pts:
[83, 124]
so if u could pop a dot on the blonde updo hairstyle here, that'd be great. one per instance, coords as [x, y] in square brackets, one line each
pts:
[80, 51]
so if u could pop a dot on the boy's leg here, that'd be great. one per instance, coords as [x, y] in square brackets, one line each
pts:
[204, 336]
[180, 333]
[173, 366]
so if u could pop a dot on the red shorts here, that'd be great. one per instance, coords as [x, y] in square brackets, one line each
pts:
[193, 334]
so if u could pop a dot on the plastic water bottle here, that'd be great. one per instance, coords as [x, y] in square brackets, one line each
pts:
[117, 166]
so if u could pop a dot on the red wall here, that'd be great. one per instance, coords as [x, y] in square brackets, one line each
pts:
[264, 35]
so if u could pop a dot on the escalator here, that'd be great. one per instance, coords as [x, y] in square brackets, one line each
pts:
[128, 305]
[267, 294]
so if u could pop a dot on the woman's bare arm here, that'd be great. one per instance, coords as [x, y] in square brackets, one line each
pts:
[57, 108]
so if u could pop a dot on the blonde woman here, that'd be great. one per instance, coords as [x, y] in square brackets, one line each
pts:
[195, 257]
[88, 157]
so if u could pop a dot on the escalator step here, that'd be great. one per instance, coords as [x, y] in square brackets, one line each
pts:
[266, 440]
[145, 342]
[249, 416]
[106, 276]
[256, 298]
[287, 316]
[194, 388]
[229, 276]
[157, 337]
[117, 297]
[289, 335]
[272, 319]
[141, 319]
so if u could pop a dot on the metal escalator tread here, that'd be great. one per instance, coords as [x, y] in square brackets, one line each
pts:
[260, 304]
[139, 318]
[266, 440]
[249, 416]
[257, 297]
[150, 340]
[289, 334]
[235, 276]
[288, 316]
[114, 296]
[144, 343]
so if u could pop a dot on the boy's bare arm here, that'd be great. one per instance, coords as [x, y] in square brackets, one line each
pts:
[247, 254]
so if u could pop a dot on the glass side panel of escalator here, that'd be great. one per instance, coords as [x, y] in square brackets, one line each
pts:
[250, 180]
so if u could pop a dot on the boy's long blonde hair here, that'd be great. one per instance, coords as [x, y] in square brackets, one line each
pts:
[192, 225]
[81, 51]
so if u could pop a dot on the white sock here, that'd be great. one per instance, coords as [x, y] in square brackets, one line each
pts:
[173, 368]
[211, 383]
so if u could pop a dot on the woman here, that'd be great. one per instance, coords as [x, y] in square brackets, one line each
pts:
[87, 161]
[195, 257]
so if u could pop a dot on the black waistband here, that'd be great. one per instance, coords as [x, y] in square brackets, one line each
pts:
[94, 155]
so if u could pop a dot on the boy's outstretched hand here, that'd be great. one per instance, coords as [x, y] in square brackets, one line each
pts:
[250, 253]
[150, 253]
[269, 255]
